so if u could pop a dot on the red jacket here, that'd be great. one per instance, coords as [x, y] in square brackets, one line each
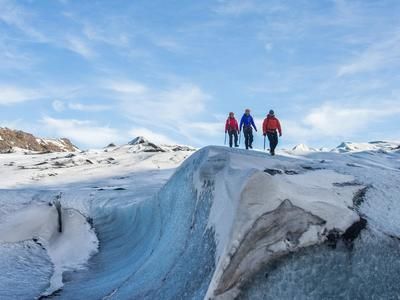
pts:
[271, 124]
[231, 125]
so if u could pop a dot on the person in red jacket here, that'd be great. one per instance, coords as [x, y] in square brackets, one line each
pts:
[271, 127]
[232, 128]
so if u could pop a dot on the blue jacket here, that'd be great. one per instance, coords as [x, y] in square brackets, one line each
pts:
[247, 121]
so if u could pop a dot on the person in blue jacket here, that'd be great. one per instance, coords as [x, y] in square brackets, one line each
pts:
[247, 124]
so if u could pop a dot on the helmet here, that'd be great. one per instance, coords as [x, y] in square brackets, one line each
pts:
[271, 112]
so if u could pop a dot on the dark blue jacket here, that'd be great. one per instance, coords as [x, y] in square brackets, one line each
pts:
[247, 121]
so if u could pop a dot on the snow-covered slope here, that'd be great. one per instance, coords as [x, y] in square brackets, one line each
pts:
[218, 223]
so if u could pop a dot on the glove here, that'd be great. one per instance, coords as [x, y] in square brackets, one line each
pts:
[280, 134]
[255, 130]
[226, 131]
[264, 134]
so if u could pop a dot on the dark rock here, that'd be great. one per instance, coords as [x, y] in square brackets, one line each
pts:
[353, 165]
[291, 172]
[138, 140]
[120, 189]
[359, 196]
[311, 168]
[89, 161]
[354, 231]
[273, 172]
[349, 183]
[332, 238]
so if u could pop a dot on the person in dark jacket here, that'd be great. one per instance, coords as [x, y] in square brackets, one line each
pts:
[271, 127]
[232, 128]
[247, 125]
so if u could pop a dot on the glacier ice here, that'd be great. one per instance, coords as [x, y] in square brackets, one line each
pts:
[217, 227]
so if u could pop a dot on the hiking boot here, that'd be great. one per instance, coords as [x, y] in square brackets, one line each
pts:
[251, 147]
[236, 145]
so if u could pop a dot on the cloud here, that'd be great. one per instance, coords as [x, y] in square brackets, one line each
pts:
[105, 35]
[18, 17]
[127, 87]
[380, 54]
[88, 107]
[236, 7]
[82, 132]
[11, 95]
[170, 106]
[176, 110]
[79, 46]
[58, 105]
[242, 7]
[333, 121]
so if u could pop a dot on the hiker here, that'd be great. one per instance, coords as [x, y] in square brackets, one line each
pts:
[247, 124]
[232, 128]
[270, 127]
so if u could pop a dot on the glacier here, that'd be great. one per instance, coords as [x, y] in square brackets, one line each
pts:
[145, 221]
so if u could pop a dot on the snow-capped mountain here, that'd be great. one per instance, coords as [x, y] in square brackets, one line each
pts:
[356, 147]
[148, 221]
[17, 140]
[302, 148]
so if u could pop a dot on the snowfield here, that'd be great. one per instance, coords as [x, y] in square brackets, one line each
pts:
[147, 221]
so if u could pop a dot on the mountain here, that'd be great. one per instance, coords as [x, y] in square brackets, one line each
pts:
[370, 146]
[17, 140]
[302, 148]
[127, 222]
[141, 143]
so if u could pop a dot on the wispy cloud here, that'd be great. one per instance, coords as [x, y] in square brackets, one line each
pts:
[240, 7]
[60, 106]
[99, 34]
[79, 46]
[15, 15]
[11, 95]
[378, 55]
[174, 109]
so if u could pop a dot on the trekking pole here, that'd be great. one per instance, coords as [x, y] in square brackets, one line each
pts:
[225, 139]
[264, 142]
[240, 134]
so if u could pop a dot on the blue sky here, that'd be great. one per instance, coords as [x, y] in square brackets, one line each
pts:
[106, 71]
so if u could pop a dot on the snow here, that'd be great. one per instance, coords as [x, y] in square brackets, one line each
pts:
[302, 148]
[164, 222]
[67, 250]
[246, 193]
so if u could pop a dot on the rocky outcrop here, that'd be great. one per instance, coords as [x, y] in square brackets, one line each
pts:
[11, 140]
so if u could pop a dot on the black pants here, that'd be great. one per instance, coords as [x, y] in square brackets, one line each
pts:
[233, 135]
[273, 141]
[248, 137]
